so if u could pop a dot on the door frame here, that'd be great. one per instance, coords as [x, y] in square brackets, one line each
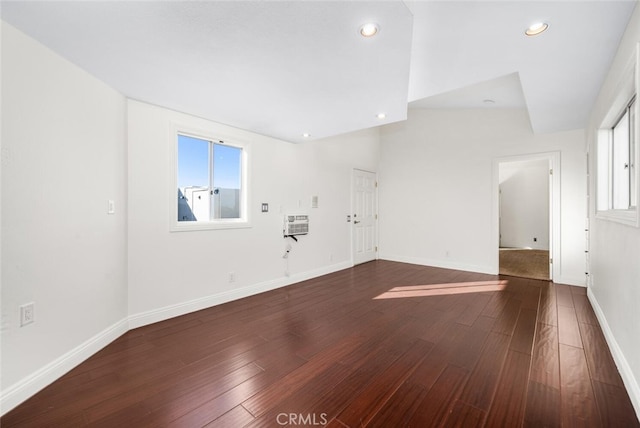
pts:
[351, 218]
[555, 256]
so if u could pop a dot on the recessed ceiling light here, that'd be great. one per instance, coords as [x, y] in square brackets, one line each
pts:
[381, 115]
[306, 135]
[537, 28]
[369, 29]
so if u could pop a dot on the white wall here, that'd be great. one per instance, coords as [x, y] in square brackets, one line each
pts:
[614, 286]
[63, 158]
[524, 204]
[173, 273]
[438, 204]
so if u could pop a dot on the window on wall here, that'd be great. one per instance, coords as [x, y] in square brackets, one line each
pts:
[210, 183]
[617, 154]
[623, 169]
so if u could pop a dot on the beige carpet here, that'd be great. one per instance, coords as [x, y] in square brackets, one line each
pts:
[532, 264]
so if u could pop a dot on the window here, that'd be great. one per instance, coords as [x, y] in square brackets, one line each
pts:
[210, 182]
[617, 155]
[623, 165]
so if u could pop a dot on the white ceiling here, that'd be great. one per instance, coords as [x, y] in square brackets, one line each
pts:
[283, 68]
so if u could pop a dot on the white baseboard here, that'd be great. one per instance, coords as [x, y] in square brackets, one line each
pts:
[439, 264]
[164, 313]
[630, 382]
[578, 282]
[25, 388]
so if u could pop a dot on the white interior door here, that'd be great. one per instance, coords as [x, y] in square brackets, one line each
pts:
[365, 216]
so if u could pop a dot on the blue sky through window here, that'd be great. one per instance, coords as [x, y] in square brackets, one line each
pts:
[227, 162]
[193, 164]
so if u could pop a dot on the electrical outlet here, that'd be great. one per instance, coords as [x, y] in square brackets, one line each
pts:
[232, 277]
[27, 314]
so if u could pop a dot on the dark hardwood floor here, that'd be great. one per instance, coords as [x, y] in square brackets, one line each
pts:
[449, 348]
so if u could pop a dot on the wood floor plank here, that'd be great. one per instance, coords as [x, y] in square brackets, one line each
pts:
[543, 406]
[578, 401]
[506, 321]
[481, 386]
[474, 309]
[601, 365]
[564, 296]
[524, 332]
[327, 347]
[436, 323]
[548, 308]
[298, 403]
[465, 416]
[496, 304]
[197, 396]
[225, 401]
[446, 351]
[366, 404]
[568, 329]
[397, 411]
[530, 295]
[437, 404]
[584, 311]
[261, 402]
[132, 415]
[332, 403]
[509, 401]
[545, 364]
[614, 406]
[468, 352]
[236, 417]
[578, 291]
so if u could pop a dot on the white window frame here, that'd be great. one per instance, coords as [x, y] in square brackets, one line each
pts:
[625, 92]
[213, 224]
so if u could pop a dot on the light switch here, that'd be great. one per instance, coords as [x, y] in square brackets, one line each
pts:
[111, 207]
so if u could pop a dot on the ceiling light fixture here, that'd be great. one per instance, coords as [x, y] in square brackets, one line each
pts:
[381, 115]
[306, 135]
[537, 28]
[489, 101]
[369, 29]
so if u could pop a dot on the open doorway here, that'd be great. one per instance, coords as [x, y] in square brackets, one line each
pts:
[525, 218]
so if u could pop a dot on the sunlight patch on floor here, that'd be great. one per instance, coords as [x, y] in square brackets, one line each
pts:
[443, 289]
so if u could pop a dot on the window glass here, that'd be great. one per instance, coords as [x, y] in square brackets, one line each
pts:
[620, 164]
[633, 137]
[209, 179]
[193, 179]
[227, 181]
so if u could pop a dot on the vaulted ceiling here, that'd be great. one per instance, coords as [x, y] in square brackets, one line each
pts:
[285, 68]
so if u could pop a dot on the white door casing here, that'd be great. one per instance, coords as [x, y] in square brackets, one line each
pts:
[555, 261]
